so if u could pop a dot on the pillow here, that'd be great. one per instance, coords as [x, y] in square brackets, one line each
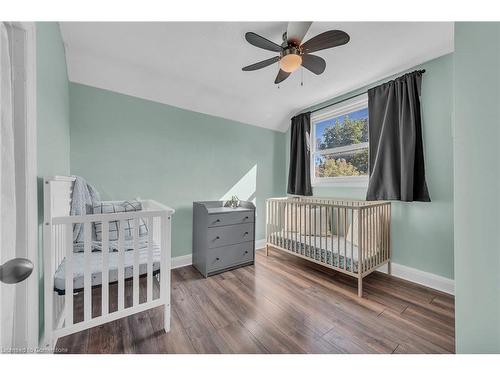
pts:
[373, 234]
[306, 220]
[115, 207]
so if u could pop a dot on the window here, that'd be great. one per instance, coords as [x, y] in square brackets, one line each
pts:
[340, 144]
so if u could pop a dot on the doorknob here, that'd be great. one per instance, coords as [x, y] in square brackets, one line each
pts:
[15, 270]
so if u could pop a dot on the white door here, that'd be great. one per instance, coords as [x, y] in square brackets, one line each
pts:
[18, 230]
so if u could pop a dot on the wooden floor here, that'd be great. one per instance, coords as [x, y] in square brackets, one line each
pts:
[282, 305]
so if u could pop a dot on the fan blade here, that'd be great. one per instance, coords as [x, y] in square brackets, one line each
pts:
[296, 31]
[282, 75]
[328, 39]
[313, 63]
[261, 64]
[261, 42]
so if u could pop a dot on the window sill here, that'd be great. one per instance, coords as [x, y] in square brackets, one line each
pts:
[355, 182]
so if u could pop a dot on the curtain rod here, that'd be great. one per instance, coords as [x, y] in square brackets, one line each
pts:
[354, 96]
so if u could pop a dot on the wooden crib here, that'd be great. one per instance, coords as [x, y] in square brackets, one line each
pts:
[72, 277]
[349, 236]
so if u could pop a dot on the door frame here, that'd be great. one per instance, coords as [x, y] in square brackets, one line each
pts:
[32, 314]
[30, 317]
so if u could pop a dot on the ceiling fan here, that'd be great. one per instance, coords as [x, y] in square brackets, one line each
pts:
[293, 53]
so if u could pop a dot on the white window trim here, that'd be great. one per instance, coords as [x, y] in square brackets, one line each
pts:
[335, 110]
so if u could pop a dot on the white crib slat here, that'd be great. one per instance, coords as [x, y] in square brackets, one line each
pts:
[121, 265]
[87, 275]
[68, 297]
[150, 260]
[105, 268]
[165, 266]
[136, 261]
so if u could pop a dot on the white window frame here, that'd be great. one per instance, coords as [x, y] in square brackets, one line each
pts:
[336, 110]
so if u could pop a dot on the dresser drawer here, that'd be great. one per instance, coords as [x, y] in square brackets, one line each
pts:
[230, 218]
[228, 256]
[229, 235]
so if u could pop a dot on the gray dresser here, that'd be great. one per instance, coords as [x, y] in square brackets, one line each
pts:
[223, 237]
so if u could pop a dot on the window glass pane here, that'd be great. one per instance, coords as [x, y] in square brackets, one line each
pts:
[353, 162]
[344, 130]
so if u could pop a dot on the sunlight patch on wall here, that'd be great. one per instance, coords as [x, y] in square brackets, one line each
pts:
[245, 189]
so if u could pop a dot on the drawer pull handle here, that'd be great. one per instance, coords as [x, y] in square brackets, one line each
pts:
[217, 221]
[217, 258]
[246, 218]
[246, 251]
[244, 234]
[217, 238]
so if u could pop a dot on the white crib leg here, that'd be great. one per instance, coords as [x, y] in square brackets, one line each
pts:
[360, 287]
[166, 318]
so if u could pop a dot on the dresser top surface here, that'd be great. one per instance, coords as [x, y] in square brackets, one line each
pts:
[224, 210]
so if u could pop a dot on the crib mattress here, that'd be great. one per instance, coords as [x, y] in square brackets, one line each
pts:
[324, 249]
[96, 267]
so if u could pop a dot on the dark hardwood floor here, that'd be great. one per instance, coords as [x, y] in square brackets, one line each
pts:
[281, 305]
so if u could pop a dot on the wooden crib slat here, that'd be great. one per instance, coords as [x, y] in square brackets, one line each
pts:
[105, 268]
[150, 224]
[360, 242]
[378, 242]
[87, 275]
[136, 262]
[310, 232]
[295, 248]
[121, 265]
[320, 232]
[337, 219]
[332, 211]
[68, 297]
[353, 212]
[372, 258]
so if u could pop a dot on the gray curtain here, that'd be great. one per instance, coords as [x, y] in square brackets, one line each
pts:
[299, 177]
[395, 137]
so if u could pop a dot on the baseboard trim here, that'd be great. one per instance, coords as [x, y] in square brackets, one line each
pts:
[414, 275]
[182, 261]
[260, 244]
[427, 279]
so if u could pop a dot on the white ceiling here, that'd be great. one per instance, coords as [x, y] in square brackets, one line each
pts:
[197, 65]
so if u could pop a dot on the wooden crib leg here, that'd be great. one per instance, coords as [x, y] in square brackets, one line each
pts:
[267, 250]
[360, 287]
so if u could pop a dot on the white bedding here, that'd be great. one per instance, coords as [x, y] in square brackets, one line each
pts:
[96, 267]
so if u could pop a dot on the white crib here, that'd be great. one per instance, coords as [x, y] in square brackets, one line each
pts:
[80, 273]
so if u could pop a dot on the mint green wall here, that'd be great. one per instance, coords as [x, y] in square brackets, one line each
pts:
[52, 101]
[129, 147]
[477, 185]
[52, 118]
[422, 233]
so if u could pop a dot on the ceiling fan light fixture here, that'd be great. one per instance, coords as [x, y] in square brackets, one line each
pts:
[290, 63]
